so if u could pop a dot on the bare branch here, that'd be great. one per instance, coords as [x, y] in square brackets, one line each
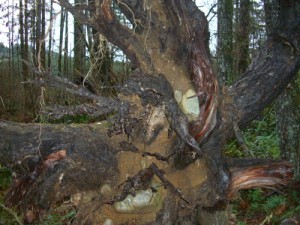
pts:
[92, 110]
[104, 20]
[75, 10]
[273, 173]
[102, 105]
[46, 79]
[210, 10]
[240, 139]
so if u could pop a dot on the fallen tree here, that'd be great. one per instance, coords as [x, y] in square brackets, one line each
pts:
[158, 160]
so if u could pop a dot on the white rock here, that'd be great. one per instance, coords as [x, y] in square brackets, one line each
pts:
[190, 104]
[145, 201]
[108, 222]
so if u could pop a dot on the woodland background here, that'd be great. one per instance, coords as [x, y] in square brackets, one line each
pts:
[88, 59]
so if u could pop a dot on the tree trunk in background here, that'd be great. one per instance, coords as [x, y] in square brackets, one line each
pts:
[22, 43]
[50, 37]
[271, 15]
[26, 75]
[167, 42]
[242, 34]
[225, 41]
[9, 41]
[38, 35]
[287, 107]
[79, 48]
[40, 53]
[11, 34]
[43, 34]
[66, 48]
[61, 34]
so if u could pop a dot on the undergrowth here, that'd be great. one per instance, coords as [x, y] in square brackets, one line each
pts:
[60, 215]
[7, 216]
[262, 206]
[260, 137]
[266, 206]
[256, 206]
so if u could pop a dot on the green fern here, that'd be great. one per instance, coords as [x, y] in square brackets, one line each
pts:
[274, 202]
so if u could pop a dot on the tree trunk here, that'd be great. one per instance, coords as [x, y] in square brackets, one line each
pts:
[288, 128]
[50, 37]
[26, 73]
[66, 48]
[271, 15]
[287, 104]
[61, 35]
[79, 48]
[168, 43]
[242, 39]
[39, 35]
[225, 41]
[43, 33]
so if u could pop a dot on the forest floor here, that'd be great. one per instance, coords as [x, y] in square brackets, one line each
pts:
[263, 206]
[251, 207]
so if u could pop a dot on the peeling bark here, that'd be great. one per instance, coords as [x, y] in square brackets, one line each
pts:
[45, 178]
[168, 43]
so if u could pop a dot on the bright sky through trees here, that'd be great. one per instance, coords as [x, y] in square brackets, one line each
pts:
[5, 26]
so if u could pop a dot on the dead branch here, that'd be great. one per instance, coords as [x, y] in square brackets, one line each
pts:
[239, 137]
[103, 19]
[56, 112]
[264, 175]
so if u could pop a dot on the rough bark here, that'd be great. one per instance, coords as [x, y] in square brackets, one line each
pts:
[225, 41]
[40, 35]
[66, 47]
[28, 96]
[286, 105]
[47, 156]
[60, 45]
[271, 15]
[242, 34]
[57, 154]
[50, 41]
[46, 178]
[288, 128]
[79, 47]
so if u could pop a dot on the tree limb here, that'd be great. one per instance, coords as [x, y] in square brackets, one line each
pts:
[271, 70]
[265, 175]
[103, 105]
[104, 20]
[239, 137]
[56, 112]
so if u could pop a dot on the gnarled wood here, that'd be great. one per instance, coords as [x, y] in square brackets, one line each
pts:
[168, 38]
